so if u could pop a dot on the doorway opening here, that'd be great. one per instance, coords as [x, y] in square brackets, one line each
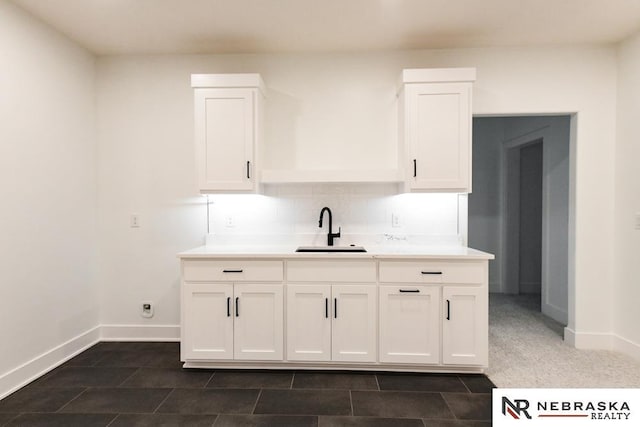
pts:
[519, 207]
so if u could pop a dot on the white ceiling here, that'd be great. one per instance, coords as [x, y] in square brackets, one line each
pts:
[224, 26]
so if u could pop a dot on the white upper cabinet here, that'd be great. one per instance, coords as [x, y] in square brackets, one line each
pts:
[435, 129]
[228, 117]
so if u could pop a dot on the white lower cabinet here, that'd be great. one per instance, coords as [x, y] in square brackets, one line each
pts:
[207, 332]
[353, 313]
[353, 337]
[331, 322]
[464, 325]
[410, 324]
[308, 322]
[233, 321]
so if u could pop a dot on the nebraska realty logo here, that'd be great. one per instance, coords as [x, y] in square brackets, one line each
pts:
[566, 407]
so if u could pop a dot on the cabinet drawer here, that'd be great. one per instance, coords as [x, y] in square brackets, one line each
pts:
[331, 271]
[432, 272]
[232, 270]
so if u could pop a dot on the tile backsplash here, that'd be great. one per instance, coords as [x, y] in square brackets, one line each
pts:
[359, 209]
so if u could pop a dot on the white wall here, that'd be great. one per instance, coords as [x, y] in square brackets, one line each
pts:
[627, 199]
[48, 184]
[147, 166]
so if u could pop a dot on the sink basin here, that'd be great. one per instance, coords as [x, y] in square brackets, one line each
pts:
[331, 249]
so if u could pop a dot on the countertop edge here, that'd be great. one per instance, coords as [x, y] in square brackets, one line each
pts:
[202, 253]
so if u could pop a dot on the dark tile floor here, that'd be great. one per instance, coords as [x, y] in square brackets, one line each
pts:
[143, 384]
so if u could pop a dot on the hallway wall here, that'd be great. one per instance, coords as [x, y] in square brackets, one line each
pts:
[487, 202]
[530, 271]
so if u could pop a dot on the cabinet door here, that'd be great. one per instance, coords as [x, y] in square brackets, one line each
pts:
[225, 131]
[465, 325]
[208, 322]
[438, 136]
[410, 324]
[309, 322]
[354, 323]
[258, 322]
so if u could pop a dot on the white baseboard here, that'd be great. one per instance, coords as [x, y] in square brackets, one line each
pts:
[626, 346]
[569, 336]
[40, 365]
[140, 332]
[602, 341]
[588, 340]
[556, 313]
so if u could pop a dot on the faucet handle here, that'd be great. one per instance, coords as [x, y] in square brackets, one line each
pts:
[338, 233]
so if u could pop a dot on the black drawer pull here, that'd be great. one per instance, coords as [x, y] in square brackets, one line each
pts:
[414, 291]
[228, 306]
[248, 169]
[326, 308]
[415, 168]
[431, 272]
[232, 270]
[237, 307]
[448, 310]
[335, 308]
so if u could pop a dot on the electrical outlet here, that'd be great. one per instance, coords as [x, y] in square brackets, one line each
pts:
[229, 222]
[146, 309]
[637, 220]
[134, 221]
[395, 220]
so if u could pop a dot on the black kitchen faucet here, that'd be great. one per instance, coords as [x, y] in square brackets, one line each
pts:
[330, 235]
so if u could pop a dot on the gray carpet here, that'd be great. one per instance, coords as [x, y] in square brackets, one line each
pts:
[526, 350]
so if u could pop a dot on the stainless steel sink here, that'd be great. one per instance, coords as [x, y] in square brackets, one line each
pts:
[331, 249]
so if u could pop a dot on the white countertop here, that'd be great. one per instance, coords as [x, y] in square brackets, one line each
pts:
[373, 251]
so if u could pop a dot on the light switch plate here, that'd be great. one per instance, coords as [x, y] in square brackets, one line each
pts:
[395, 220]
[134, 221]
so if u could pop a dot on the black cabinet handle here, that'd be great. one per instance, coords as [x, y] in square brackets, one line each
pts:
[415, 168]
[237, 309]
[228, 306]
[248, 168]
[326, 308]
[335, 308]
[431, 272]
[415, 291]
[232, 270]
[448, 310]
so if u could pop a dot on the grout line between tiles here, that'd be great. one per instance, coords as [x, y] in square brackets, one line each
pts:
[448, 407]
[14, 418]
[256, 404]
[113, 420]
[163, 400]
[465, 384]
[210, 379]
[67, 404]
[351, 402]
[127, 379]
